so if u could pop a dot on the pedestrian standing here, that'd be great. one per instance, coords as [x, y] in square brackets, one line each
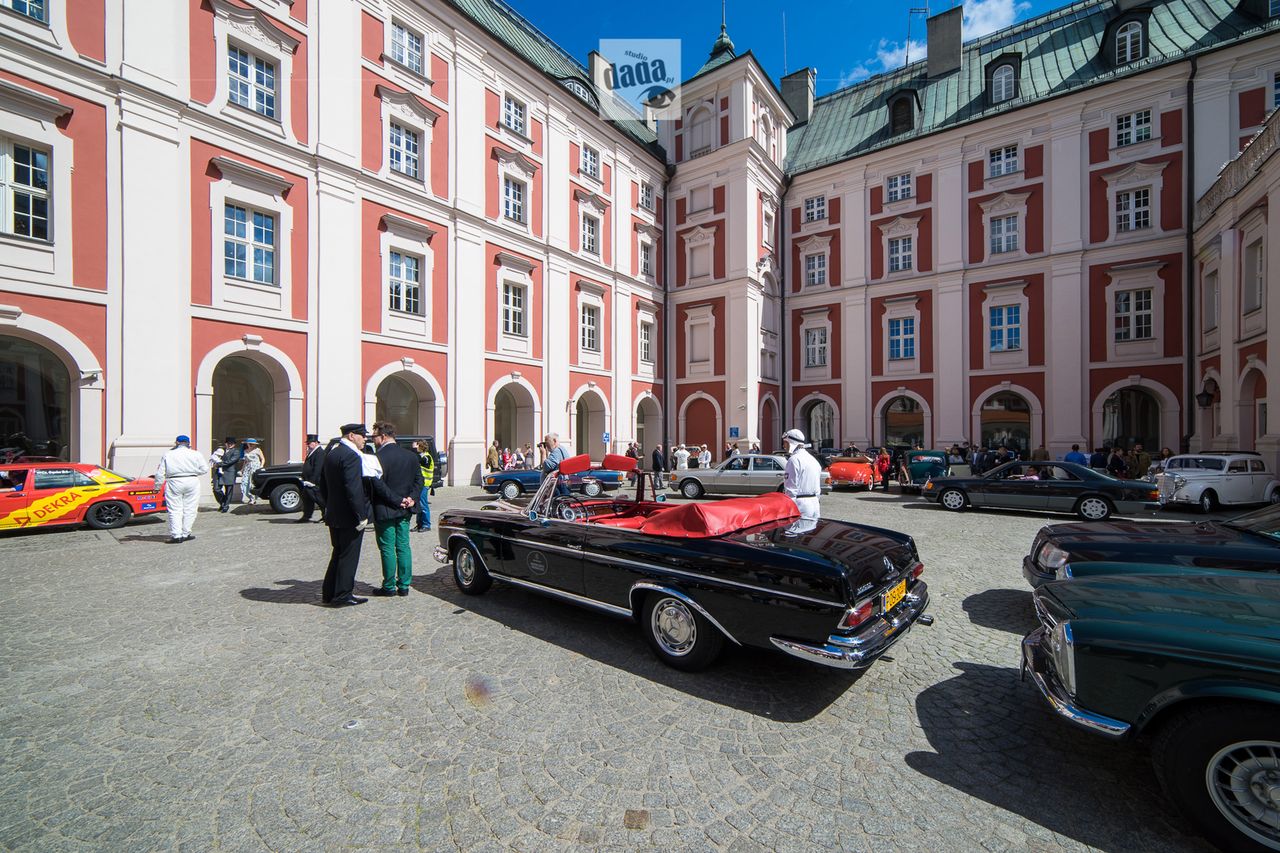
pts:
[1117, 466]
[883, 465]
[1098, 459]
[493, 461]
[215, 459]
[555, 453]
[1076, 456]
[311, 466]
[346, 513]
[530, 462]
[1040, 454]
[179, 473]
[427, 464]
[682, 457]
[1139, 461]
[803, 477]
[704, 457]
[659, 459]
[253, 460]
[227, 472]
[394, 495]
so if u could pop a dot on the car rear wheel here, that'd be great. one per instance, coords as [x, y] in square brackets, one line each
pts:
[691, 489]
[286, 497]
[107, 516]
[953, 499]
[1093, 508]
[470, 575]
[511, 489]
[1220, 765]
[680, 635]
[1208, 501]
[592, 490]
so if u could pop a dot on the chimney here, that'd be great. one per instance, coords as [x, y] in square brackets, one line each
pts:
[797, 93]
[945, 38]
[598, 67]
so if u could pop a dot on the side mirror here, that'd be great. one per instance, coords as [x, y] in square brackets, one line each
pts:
[660, 498]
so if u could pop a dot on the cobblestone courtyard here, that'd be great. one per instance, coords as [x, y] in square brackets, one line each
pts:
[197, 696]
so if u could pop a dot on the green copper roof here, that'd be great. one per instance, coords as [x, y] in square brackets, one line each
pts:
[722, 52]
[1060, 53]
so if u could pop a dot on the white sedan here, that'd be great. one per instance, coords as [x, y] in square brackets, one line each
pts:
[1216, 478]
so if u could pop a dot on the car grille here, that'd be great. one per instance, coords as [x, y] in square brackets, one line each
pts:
[1167, 485]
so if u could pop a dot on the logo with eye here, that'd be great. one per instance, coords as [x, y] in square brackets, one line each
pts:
[537, 563]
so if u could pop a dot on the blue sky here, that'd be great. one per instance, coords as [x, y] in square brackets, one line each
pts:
[846, 40]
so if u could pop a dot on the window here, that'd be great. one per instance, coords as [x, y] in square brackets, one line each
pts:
[1275, 82]
[815, 347]
[1004, 234]
[25, 175]
[699, 199]
[646, 195]
[815, 270]
[901, 115]
[1133, 128]
[646, 342]
[1211, 301]
[699, 261]
[701, 131]
[768, 228]
[902, 338]
[1002, 161]
[406, 48]
[646, 260]
[513, 114]
[31, 8]
[404, 283]
[590, 234]
[513, 309]
[1133, 209]
[252, 82]
[899, 254]
[249, 244]
[1133, 315]
[590, 162]
[815, 208]
[1274, 9]
[1006, 328]
[404, 145]
[1254, 275]
[513, 199]
[1003, 84]
[60, 478]
[898, 187]
[590, 328]
[1129, 43]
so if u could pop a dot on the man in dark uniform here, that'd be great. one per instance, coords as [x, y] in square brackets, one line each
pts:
[346, 512]
[227, 473]
[310, 474]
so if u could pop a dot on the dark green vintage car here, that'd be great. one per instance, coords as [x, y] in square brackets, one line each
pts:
[1190, 663]
[921, 466]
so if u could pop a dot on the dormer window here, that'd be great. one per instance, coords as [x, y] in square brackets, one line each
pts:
[1129, 43]
[902, 114]
[1003, 84]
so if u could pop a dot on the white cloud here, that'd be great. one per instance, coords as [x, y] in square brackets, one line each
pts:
[889, 55]
[982, 17]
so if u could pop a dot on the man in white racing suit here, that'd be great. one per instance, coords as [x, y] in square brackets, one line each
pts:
[180, 471]
[803, 477]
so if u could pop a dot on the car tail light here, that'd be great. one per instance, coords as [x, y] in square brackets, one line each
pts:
[917, 570]
[855, 616]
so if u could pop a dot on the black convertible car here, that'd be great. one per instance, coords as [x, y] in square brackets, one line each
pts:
[1051, 486]
[748, 570]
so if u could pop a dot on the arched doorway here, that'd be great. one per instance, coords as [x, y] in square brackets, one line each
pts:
[589, 425]
[648, 424]
[408, 402]
[819, 419]
[768, 426]
[699, 426]
[1005, 421]
[513, 417]
[35, 400]
[244, 404]
[1131, 416]
[1252, 413]
[903, 422]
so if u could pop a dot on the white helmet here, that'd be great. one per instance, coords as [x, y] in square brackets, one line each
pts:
[794, 436]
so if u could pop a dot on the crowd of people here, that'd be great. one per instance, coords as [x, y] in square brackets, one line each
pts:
[1132, 463]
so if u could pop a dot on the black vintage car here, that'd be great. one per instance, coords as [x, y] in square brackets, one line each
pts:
[748, 571]
[1249, 542]
[1189, 663]
[1048, 486]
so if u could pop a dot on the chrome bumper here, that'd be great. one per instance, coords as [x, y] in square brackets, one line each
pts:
[860, 650]
[1034, 574]
[1034, 662]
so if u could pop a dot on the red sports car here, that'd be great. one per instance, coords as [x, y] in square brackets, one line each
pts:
[38, 494]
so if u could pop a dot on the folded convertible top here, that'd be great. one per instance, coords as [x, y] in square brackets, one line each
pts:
[703, 519]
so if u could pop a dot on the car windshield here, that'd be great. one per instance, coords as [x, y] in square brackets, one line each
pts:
[1198, 463]
[1263, 522]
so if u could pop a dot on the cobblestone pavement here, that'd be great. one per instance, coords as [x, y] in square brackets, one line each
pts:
[196, 696]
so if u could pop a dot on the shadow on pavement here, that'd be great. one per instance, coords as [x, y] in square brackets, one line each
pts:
[293, 592]
[140, 537]
[756, 681]
[992, 739]
[1002, 609]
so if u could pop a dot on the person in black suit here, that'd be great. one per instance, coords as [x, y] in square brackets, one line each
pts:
[227, 473]
[347, 512]
[310, 476]
[659, 460]
[394, 496]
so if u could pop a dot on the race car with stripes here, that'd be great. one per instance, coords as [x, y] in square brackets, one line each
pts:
[48, 494]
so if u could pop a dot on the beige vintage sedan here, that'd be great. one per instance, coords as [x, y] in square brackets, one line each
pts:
[745, 474]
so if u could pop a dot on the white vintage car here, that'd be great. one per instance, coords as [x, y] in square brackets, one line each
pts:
[1216, 478]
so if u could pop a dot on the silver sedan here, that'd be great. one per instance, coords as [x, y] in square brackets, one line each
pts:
[745, 474]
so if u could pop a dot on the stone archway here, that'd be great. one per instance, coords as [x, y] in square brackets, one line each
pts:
[409, 397]
[590, 423]
[1131, 416]
[278, 423]
[36, 400]
[244, 403]
[701, 423]
[648, 423]
[818, 419]
[1004, 420]
[513, 416]
[769, 425]
[1251, 410]
[903, 422]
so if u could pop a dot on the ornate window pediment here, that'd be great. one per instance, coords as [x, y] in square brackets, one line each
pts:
[814, 245]
[515, 162]
[902, 226]
[597, 203]
[1134, 175]
[699, 236]
[31, 103]
[648, 230]
[252, 176]
[254, 27]
[407, 105]
[1005, 203]
[514, 262]
[408, 228]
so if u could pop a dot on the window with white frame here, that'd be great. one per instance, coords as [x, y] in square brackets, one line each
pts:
[898, 187]
[514, 297]
[34, 9]
[699, 199]
[699, 261]
[701, 131]
[590, 162]
[1002, 161]
[514, 114]
[646, 342]
[25, 175]
[899, 254]
[767, 227]
[249, 244]
[1132, 128]
[1133, 315]
[404, 283]
[404, 147]
[815, 270]
[1004, 234]
[251, 82]
[646, 259]
[590, 234]
[513, 193]
[1133, 209]
[1129, 43]
[1211, 301]
[1253, 274]
[406, 48]
[700, 343]
[646, 195]
[815, 347]
[815, 208]
[902, 338]
[1003, 84]
[590, 328]
[1006, 328]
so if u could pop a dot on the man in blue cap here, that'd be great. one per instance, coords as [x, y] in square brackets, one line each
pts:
[180, 472]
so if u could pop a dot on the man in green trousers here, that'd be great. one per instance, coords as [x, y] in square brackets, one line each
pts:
[394, 499]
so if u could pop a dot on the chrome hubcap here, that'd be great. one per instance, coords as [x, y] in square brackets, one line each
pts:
[465, 566]
[952, 500]
[290, 499]
[1244, 784]
[1093, 508]
[690, 490]
[674, 627]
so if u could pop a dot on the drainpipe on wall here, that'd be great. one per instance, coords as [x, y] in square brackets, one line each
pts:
[784, 378]
[668, 356]
[1188, 285]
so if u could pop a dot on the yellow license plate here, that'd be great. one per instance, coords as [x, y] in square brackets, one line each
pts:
[895, 595]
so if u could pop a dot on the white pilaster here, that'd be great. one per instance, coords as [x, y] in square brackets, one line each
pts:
[466, 367]
[556, 392]
[950, 415]
[855, 370]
